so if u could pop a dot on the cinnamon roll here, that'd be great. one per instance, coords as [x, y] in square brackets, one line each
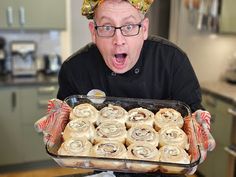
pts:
[139, 116]
[110, 131]
[112, 112]
[167, 117]
[173, 135]
[142, 151]
[173, 154]
[108, 149]
[85, 111]
[75, 147]
[78, 128]
[142, 133]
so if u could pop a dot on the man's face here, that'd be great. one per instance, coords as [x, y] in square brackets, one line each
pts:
[120, 52]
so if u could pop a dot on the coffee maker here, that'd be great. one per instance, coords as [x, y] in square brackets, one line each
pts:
[3, 56]
[23, 58]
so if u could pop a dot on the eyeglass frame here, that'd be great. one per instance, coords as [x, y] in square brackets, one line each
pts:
[139, 25]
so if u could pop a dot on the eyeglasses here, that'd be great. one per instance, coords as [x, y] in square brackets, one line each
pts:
[126, 30]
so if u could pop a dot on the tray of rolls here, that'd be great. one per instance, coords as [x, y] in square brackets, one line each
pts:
[127, 135]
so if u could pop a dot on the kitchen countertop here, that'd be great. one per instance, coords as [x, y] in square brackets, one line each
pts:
[220, 89]
[39, 79]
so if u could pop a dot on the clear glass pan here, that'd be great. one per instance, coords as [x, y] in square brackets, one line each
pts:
[129, 103]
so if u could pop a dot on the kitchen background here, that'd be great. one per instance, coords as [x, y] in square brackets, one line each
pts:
[211, 50]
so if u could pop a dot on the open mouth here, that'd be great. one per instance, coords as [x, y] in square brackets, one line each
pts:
[120, 58]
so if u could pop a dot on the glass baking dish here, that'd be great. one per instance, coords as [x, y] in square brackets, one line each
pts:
[129, 103]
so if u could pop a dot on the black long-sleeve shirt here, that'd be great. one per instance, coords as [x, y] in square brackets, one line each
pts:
[163, 71]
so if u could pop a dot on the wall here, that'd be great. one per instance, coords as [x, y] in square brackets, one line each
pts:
[210, 54]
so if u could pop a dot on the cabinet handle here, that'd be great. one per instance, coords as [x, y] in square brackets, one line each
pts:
[232, 111]
[230, 151]
[22, 15]
[46, 90]
[13, 100]
[10, 16]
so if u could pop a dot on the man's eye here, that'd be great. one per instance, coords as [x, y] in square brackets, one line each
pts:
[128, 27]
[107, 28]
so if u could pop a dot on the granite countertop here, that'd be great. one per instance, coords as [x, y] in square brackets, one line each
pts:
[39, 79]
[220, 89]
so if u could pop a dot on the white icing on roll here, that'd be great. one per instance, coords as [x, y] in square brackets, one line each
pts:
[112, 112]
[142, 133]
[168, 117]
[79, 128]
[173, 135]
[85, 111]
[112, 131]
[175, 155]
[140, 116]
[75, 147]
[109, 149]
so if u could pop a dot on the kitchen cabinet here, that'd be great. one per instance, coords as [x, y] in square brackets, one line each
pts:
[228, 16]
[10, 148]
[216, 163]
[32, 14]
[20, 108]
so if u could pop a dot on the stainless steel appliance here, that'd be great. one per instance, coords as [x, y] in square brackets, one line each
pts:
[3, 57]
[52, 63]
[23, 58]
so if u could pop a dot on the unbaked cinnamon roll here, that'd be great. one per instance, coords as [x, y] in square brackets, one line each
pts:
[110, 131]
[78, 128]
[108, 149]
[175, 155]
[142, 151]
[85, 111]
[173, 135]
[142, 133]
[139, 116]
[75, 147]
[112, 112]
[167, 117]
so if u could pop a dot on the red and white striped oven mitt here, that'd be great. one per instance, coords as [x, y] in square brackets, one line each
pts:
[201, 120]
[54, 122]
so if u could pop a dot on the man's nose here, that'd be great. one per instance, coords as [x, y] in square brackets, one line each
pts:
[118, 38]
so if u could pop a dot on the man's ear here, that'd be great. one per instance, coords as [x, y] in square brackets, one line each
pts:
[92, 31]
[145, 27]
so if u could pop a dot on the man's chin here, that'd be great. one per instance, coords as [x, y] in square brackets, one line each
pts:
[119, 70]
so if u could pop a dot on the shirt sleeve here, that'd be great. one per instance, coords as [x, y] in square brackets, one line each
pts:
[65, 84]
[185, 85]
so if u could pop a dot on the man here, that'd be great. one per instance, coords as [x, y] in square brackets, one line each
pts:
[123, 61]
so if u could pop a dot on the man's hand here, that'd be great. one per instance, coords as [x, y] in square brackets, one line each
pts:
[206, 142]
[54, 122]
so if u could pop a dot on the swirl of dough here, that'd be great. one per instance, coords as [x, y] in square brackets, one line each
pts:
[173, 135]
[175, 155]
[112, 131]
[85, 111]
[75, 147]
[112, 112]
[142, 133]
[109, 149]
[142, 151]
[167, 117]
[78, 128]
[139, 116]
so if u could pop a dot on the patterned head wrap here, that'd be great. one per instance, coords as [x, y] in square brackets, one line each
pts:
[89, 6]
